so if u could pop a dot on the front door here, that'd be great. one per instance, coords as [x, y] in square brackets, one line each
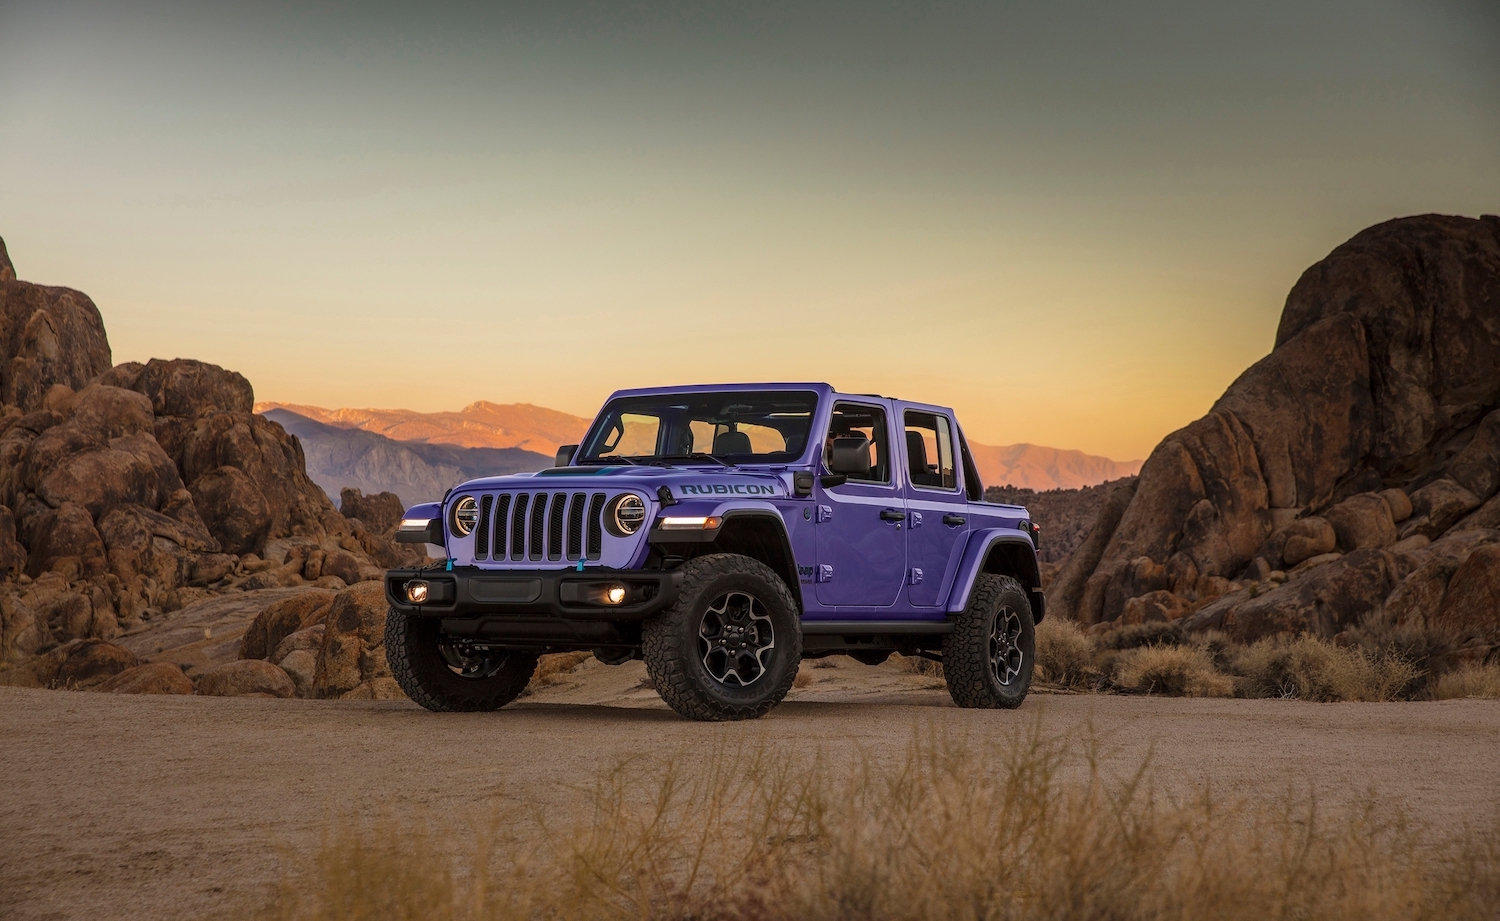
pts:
[936, 507]
[861, 541]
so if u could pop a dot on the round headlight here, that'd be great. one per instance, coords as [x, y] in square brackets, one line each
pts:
[625, 515]
[465, 516]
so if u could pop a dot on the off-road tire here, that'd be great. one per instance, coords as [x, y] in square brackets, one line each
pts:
[967, 668]
[674, 659]
[411, 647]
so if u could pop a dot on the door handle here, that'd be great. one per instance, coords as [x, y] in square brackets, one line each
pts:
[953, 519]
[891, 514]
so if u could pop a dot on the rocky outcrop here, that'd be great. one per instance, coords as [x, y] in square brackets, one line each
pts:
[351, 661]
[1374, 421]
[127, 492]
[330, 645]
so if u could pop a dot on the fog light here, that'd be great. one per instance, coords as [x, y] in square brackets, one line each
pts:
[416, 592]
[615, 594]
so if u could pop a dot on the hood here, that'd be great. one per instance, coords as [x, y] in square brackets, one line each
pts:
[684, 482]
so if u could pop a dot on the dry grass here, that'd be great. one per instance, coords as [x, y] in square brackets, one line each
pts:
[1064, 654]
[555, 668]
[1469, 680]
[1016, 829]
[917, 665]
[1178, 671]
[1310, 669]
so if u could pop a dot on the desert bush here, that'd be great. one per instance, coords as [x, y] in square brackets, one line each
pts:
[1416, 644]
[552, 669]
[1134, 636]
[1064, 654]
[1310, 669]
[1177, 671]
[917, 665]
[1017, 829]
[1469, 680]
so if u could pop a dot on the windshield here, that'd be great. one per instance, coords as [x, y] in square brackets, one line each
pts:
[748, 427]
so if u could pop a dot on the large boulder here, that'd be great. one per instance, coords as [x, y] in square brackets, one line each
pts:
[352, 660]
[83, 664]
[151, 678]
[380, 512]
[282, 619]
[48, 336]
[1384, 384]
[190, 389]
[1470, 611]
[246, 677]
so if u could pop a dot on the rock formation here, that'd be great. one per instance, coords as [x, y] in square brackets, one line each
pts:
[129, 491]
[1361, 454]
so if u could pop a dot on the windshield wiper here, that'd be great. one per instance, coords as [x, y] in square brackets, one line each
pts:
[697, 456]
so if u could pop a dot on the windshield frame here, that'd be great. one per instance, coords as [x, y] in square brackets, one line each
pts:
[592, 441]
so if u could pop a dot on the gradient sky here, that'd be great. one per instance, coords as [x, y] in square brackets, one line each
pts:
[1076, 223]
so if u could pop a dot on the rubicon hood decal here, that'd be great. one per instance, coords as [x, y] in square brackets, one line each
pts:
[727, 489]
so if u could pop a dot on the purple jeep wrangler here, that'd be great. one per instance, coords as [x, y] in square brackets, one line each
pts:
[723, 534]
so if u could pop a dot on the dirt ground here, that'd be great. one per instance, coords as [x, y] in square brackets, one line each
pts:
[185, 807]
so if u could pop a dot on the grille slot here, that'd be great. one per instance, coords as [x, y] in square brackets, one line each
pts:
[555, 527]
[482, 529]
[502, 523]
[596, 526]
[575, 526]
[538, 519]
[518, 528]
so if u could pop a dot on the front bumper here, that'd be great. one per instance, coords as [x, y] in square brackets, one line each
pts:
[498, 596]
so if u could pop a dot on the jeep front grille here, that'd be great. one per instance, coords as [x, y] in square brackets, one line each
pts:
[540, 525]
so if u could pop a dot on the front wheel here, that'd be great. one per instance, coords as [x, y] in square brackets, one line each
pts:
[450, 674]
[729, 648]
[989, 656]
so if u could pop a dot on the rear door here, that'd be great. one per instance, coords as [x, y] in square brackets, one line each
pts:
[861, 540]
[936, 507]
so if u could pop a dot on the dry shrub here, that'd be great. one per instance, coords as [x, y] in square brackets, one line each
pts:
[1177, 671]
[1014, 829]
[917, 665]
[1310, 669]
[1469, 680]
[1134, 636]
[553, 669]
[1064, 654]
[804, 676]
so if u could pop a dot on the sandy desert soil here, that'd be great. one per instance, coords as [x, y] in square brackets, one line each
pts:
[186, 807]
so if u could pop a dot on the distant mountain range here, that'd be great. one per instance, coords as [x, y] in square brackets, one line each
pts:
[478, 425]
[419, 455]
[416, 471]
[1042, 468]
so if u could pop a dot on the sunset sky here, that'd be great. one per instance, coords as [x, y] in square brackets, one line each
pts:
[1076, 223]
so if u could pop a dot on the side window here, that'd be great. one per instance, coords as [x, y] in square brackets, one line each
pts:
[858, 428]
[929, 451]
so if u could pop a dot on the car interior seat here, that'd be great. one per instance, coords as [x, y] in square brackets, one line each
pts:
[916, 458]
[732, 443]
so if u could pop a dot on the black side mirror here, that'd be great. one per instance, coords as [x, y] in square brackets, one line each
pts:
[565, 456]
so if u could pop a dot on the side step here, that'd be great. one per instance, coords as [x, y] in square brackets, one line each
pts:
[876, 627]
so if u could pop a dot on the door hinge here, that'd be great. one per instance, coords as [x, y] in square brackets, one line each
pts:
[825, 572]
[916, 576]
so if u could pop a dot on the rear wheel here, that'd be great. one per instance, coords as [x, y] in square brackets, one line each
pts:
[450, 674]
[729, 648]
[989, 656]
